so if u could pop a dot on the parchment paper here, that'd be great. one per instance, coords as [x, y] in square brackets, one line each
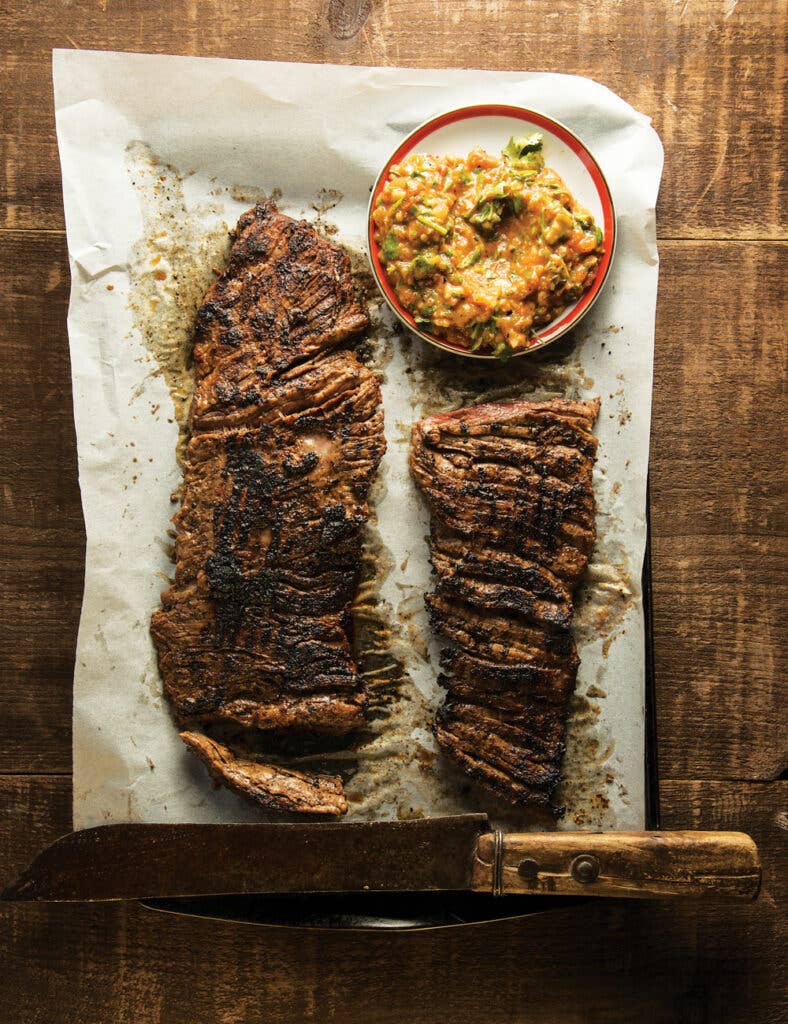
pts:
[159, 157]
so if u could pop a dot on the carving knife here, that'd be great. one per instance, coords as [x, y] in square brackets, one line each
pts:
[148, 861]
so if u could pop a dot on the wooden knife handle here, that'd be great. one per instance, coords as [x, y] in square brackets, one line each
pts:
[618, 864]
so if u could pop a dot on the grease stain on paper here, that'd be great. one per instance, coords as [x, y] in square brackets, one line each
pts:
[170, 269]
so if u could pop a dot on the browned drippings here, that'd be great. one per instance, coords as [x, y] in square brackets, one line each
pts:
[170, 269]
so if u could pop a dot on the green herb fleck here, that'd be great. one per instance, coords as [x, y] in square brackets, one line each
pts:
[424, 263]
[390, 247]
[481, 331]
[474, 257]
[486, 216]
[428, 222]
[496, 191]
[518, 148]
[425, 316]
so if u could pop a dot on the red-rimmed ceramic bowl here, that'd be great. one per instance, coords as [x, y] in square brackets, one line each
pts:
[490, 126]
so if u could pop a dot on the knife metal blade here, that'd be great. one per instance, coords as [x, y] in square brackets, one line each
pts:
[138, 861]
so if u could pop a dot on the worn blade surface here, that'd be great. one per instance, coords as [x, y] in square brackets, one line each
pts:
[120, 862]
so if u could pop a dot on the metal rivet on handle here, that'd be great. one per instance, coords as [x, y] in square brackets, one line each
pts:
[585, 868]
[528, 868]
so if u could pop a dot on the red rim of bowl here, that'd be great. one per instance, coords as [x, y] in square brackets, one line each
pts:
[568, 319]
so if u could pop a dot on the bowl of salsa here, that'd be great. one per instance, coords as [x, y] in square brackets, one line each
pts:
[491, 231]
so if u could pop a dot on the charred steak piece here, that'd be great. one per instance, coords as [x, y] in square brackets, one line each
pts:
[269, 785]
[286, 436]
[513, 526]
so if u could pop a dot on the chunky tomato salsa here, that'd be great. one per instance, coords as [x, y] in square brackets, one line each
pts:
[484, 251]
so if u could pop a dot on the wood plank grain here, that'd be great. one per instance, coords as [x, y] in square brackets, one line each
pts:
[41, 532]
[719, 359]
[708, 73]
[601, 961]
[717, 511]
[36, 810]
[719, 615]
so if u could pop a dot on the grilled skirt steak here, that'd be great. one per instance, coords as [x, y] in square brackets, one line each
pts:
[286, 435]
[513, 526]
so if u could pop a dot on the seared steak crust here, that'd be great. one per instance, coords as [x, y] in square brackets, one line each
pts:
[269, 785]
[513, 525]
[286, 436]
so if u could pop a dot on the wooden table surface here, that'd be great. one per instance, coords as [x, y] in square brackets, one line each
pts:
[709, 73]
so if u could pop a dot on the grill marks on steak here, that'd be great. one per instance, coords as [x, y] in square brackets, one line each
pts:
[284, 287]
[513, 526]
[286, 436]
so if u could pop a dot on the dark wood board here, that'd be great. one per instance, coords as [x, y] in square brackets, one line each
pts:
[710, 74]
